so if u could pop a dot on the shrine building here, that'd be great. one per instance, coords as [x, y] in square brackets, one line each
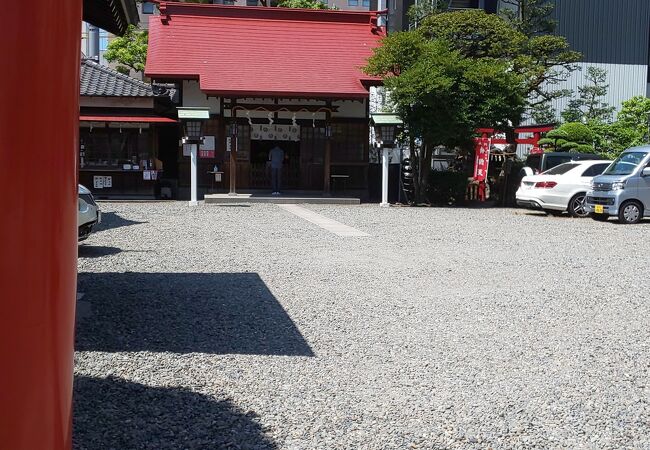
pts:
[270, 76]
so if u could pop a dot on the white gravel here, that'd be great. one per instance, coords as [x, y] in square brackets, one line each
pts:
[248, 327]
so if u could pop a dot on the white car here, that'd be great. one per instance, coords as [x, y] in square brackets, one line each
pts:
[562, 188]
[89, 213]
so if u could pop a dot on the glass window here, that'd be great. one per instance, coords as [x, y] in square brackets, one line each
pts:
[625, 164]
[251, 2]
[353, 2]
[561, 169]
[112, 148]
[103, 40]
[365, 3]
[148, 8]
[552, 161]
[595, 170]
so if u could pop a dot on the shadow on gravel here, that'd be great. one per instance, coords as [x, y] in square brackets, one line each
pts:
[96, 251]
[110, 413]
[112, 220]
[218, 313]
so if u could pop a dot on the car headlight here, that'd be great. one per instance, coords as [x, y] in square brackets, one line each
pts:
[618, 185]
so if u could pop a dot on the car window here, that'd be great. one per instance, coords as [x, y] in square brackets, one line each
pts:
[626, 163]
[555, 160]
[595, 170]
[533, 161]
[561, 169]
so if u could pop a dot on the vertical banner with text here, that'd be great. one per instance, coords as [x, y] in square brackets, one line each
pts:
[482, 158]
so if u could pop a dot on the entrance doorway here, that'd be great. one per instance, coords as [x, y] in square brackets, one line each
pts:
[261, 169]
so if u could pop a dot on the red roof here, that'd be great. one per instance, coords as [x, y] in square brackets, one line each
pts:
[258, 51]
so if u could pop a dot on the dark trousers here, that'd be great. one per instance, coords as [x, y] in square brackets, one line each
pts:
[276, 179]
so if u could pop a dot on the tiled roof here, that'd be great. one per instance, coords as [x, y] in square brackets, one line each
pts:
[263, 51]
[102, 81]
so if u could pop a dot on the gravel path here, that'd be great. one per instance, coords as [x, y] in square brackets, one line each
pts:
[249, 327]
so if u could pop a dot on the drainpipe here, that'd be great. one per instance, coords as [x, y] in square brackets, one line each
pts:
[93, 42]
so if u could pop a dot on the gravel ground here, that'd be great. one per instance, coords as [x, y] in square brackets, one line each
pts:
[248, 327]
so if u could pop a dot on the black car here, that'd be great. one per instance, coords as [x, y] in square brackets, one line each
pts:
[541, 162]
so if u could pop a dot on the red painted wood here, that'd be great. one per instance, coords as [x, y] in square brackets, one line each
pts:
[534, 129]
[142, 119]
[38, 226]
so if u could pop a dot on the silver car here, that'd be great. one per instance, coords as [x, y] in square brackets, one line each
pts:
[623, 190]
[89, 213]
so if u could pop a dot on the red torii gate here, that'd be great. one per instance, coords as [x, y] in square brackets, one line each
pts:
[536, 130]
[482, 146]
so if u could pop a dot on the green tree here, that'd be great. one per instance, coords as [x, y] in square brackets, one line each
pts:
[129, 51]
[305, 4]
[542, 60]
[589, 105]
[572, 136]
[632, 127]
[441, 95]
[530, 17]
[546, 59]
[422, 10]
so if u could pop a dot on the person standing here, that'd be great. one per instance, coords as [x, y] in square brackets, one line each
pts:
[276, 156]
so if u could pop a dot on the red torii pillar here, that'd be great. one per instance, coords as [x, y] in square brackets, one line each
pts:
[39, 88]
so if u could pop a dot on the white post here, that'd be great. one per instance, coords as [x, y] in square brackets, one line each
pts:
[384, 177]
[193, 162]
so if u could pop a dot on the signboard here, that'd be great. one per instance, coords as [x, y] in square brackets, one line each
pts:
[275, 132]
[195, 114]
[482, 159]
[207, 148]
[101, 182]
[228, 144]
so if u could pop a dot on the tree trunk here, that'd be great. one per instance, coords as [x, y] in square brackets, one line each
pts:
[423, 170]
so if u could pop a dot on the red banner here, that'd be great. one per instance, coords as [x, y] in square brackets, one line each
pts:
[482, 159]
[206, 153]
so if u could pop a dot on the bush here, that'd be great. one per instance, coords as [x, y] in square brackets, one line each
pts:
[572, 136]
[446, 188]
[577, 132]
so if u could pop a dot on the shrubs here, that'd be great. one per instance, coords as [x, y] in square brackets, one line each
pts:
[446, 188]
[572, 136]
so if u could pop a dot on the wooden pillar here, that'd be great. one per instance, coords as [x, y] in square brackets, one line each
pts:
[327, 160]
[38, 262]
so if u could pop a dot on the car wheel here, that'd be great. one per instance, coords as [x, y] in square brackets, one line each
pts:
[630, 212]
[600, 217]
[577, 206]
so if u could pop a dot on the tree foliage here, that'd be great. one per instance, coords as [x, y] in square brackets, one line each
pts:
[572, 136]
[589, 105]
[630, 129]
[530, 17]
[546, 59]
[441, 94]
[129, 51]
[305, 4]
[522, 40]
